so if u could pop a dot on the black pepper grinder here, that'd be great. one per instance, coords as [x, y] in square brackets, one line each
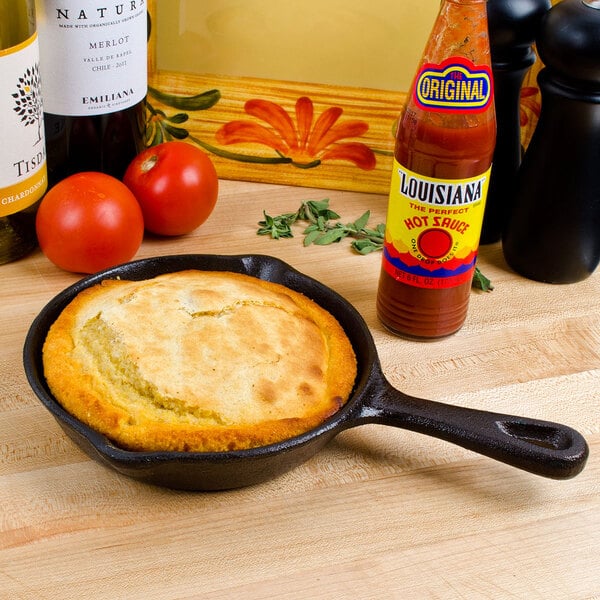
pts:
[553, 234]
[513, 26]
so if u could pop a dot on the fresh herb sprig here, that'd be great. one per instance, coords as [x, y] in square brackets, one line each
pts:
[481, 282]
[325, 227]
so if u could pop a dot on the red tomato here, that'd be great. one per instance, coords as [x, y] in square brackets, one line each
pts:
[176, 185]
[89, 222]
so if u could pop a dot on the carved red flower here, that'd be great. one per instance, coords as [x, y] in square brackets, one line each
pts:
[306, 142]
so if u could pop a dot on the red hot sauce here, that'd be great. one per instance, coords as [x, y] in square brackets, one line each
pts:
[444, 147]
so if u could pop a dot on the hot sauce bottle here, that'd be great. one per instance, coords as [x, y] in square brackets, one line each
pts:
[442, 162]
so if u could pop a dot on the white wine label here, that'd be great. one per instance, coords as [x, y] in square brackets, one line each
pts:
[93, 55]
[22, 155]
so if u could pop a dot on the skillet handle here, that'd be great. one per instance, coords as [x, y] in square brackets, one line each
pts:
[540, 447]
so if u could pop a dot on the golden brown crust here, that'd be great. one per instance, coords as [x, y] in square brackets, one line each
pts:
[198, 361]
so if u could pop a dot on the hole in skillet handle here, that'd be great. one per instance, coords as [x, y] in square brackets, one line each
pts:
[551, 438]
[561, 451]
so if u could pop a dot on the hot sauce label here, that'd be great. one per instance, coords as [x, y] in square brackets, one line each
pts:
[433, 228]
[456, 85]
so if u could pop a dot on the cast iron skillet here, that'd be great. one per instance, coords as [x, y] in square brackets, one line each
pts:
[543, 448]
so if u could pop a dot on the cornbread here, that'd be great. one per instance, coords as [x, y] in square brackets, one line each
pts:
[197, 361]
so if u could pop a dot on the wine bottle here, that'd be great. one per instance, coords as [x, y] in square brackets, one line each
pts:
[23, 178]
[94, 73]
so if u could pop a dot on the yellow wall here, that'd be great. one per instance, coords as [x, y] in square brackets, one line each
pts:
[357, 43]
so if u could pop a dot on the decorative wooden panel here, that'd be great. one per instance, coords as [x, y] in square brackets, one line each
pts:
[304, 134]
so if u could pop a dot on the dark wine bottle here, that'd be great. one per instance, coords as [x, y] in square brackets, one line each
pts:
[94, 73]
[23, 178]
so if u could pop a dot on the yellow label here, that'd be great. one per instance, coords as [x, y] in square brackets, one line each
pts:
[23, 194]
[433, 228]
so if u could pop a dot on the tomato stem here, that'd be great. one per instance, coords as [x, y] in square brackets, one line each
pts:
[149, 163]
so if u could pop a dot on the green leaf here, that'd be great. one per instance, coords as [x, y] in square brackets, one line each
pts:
[311, 236]
[178, 118]
[481, 282]
[318, 205]
[365, 246]
[321, 223]
[362, 221]
[201, 101]
[320, 208]
[177, 132]
[159, 137]
[276, 227]
[330, 237]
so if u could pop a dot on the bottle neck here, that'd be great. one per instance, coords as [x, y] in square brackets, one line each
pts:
[17, 22]
[459, 30]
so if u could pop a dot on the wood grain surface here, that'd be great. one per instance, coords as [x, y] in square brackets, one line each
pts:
[379, 513]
